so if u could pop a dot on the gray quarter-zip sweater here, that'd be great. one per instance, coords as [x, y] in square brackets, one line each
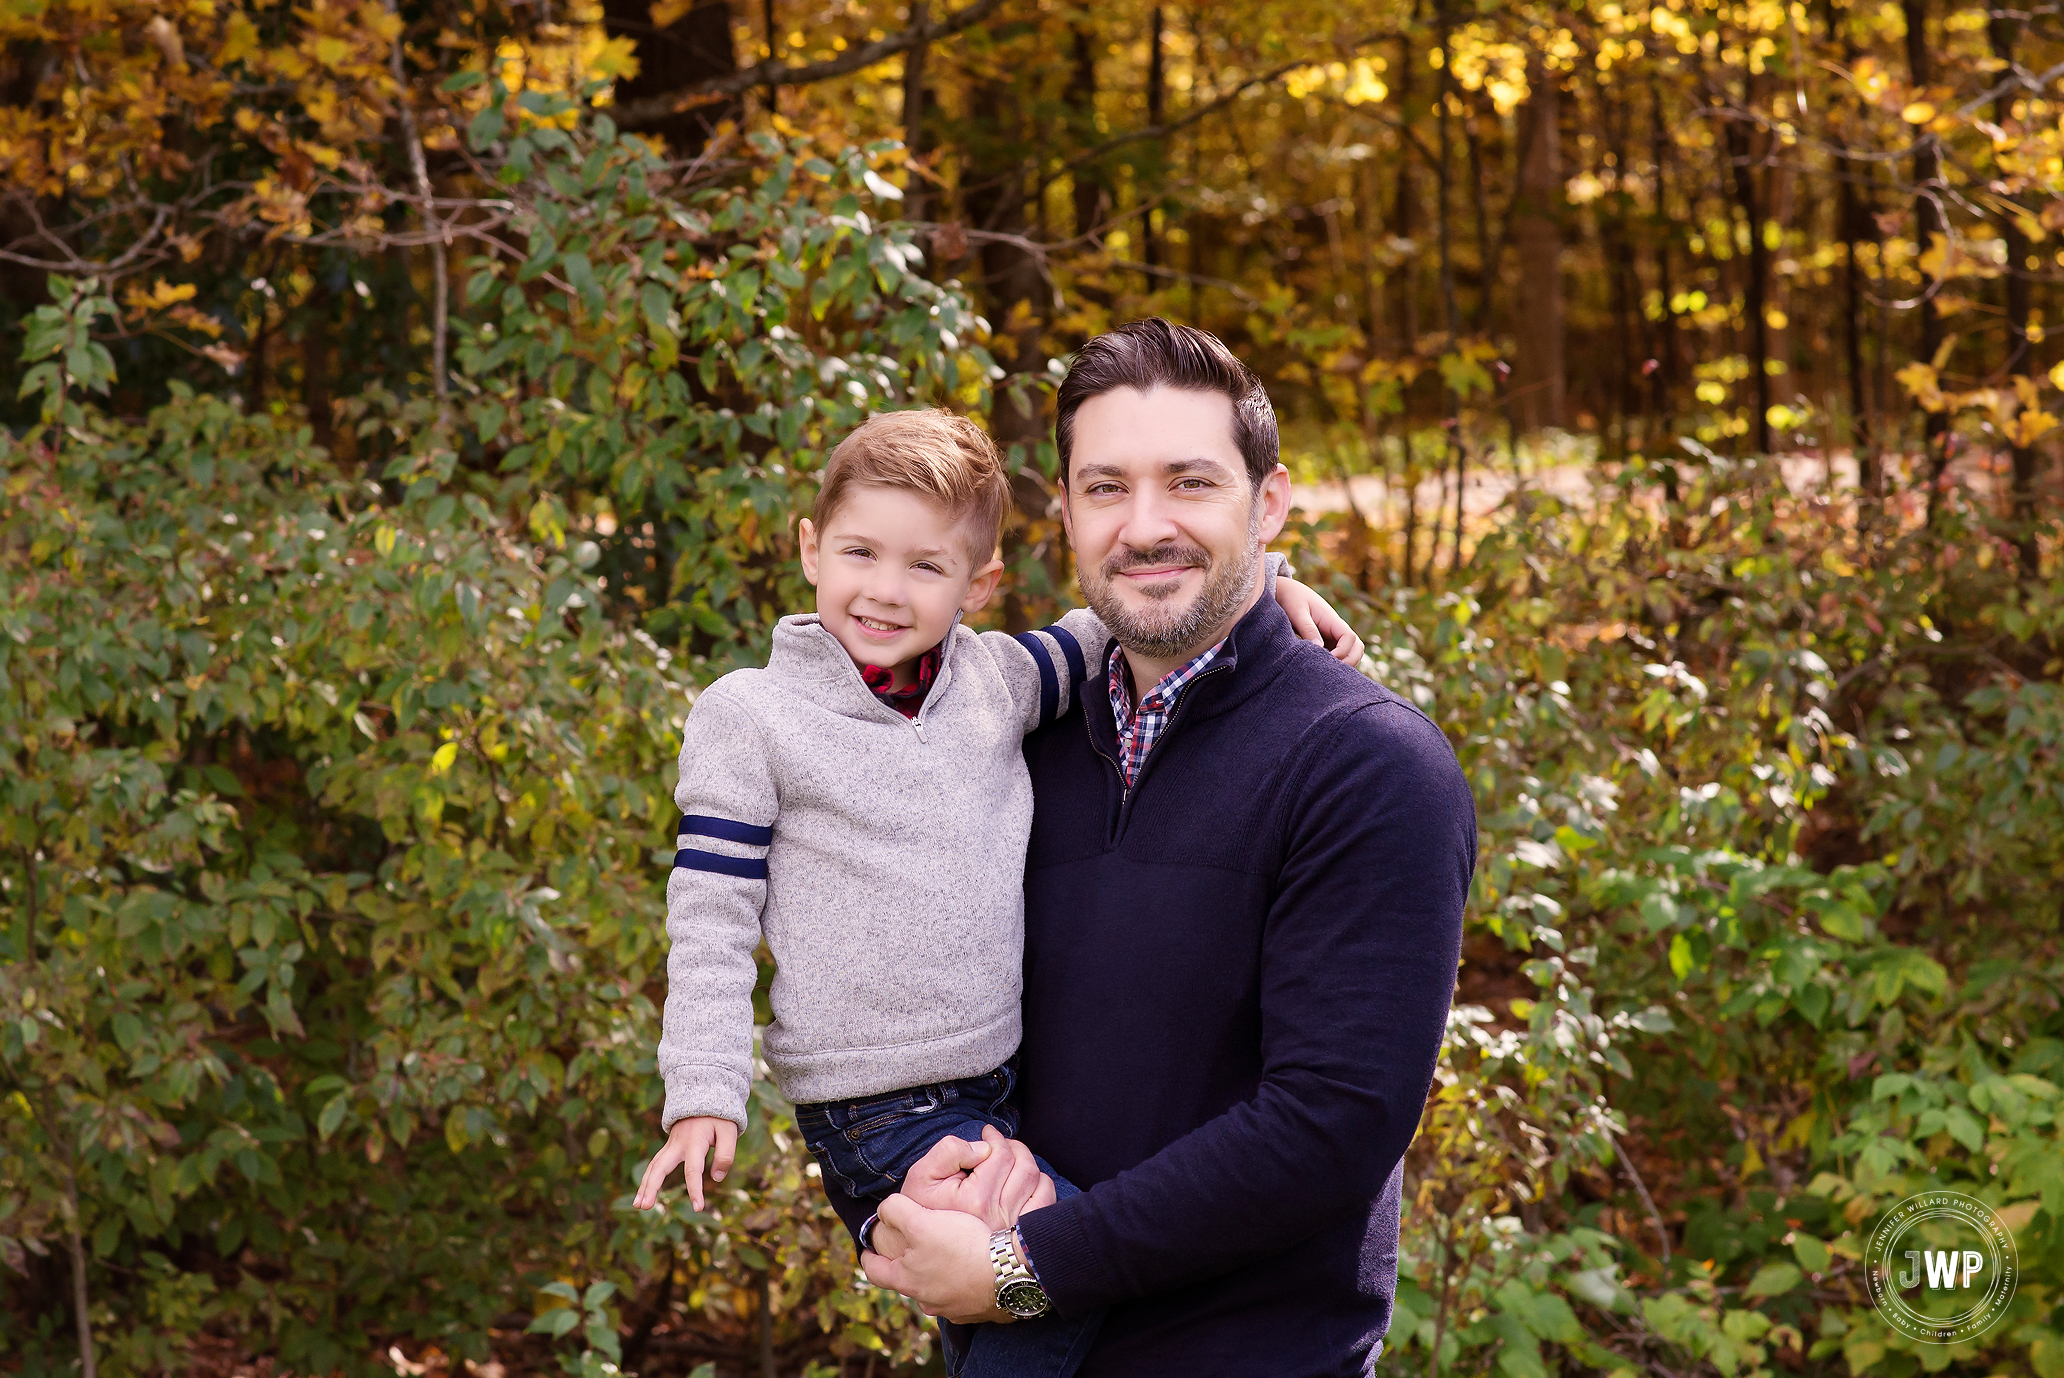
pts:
[881, 857]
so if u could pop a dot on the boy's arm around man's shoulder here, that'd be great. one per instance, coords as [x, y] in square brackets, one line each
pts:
[1044, 671]
[715, 896]
[1358, 960]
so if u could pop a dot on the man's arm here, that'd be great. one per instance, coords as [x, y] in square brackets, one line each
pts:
[1358, 967]
[714, 899]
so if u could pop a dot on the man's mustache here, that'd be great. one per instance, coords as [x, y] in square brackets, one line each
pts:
[1191, 555]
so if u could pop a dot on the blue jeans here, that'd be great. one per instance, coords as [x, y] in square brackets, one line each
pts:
[864, 1147]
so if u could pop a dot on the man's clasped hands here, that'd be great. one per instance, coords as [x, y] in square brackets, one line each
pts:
[931, 1241]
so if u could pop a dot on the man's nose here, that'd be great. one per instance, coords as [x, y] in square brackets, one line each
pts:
[1149, 521]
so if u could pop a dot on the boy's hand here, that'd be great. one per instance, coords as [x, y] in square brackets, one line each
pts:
[687, 1142]
[995, 1180]
[1313, 618]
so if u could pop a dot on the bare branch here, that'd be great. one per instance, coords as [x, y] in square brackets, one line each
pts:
[650, 110]
[440, 302]
[1160, 131]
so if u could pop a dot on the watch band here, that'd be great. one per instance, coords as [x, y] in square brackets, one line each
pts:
[1017, 1291]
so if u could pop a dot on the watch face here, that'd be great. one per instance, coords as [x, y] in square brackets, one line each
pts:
[1023, 1299]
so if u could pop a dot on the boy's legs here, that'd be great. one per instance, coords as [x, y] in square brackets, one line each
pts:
[865, 1148]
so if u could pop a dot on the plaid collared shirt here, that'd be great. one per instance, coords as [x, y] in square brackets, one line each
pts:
[911, 697]
[1138, 731]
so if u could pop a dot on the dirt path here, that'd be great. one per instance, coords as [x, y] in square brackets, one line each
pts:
[1383, 502]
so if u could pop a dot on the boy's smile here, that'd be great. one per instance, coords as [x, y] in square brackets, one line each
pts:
[891, 570]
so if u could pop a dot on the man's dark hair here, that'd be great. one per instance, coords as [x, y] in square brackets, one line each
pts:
[1156, 353]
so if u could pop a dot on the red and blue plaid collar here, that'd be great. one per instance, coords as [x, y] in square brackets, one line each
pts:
[1139, 729]
[911, 697]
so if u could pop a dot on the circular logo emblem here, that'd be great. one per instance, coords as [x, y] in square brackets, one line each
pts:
[1941, 1267]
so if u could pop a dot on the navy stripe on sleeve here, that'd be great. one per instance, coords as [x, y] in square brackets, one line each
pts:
[1071, 648]
[747, 867]
[1049, 682]
[725, 829]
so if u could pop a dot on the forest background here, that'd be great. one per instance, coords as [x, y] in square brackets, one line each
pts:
[412, 399]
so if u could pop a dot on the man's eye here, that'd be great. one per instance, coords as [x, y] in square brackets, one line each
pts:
[1193, 484]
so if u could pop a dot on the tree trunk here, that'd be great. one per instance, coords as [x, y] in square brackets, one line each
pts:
[315, 365]
[1082, 89]
[1537, 383]
[1411, 486]
[1927, 225]
[693, 48]
[1486, 254]
[1442, 88]
[2003, 31]
[1623, 287]
[1406, 200]
[773, 95]
[1016, 296]
[1662, 429]
[915, 195]
[1150, 240]
[1741, 159]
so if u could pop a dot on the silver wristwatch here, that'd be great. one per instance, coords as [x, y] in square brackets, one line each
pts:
[1017, 1291]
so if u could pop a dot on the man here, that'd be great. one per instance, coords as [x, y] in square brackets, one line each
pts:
[1243, 910]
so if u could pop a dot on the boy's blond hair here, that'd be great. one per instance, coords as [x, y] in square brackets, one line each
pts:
[948, 460]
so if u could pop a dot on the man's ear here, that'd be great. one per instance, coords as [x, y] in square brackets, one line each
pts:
[806, 543]
[1275, 504]
[982, 588]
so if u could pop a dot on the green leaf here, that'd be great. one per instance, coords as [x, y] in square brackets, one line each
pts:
[1774, 1279]
[1964, 1127]
[1681, 960]
[332, 1115]
[485, 128]
[556, 1322]
[1812, 1254]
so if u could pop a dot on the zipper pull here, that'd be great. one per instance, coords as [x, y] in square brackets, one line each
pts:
[917, 726]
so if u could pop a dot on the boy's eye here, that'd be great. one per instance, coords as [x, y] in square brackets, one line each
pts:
[862, 551]
[927, 564]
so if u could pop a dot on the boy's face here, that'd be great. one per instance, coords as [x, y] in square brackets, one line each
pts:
[891, 570]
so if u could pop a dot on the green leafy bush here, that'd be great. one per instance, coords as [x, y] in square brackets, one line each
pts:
[338, 811]
[336, 817]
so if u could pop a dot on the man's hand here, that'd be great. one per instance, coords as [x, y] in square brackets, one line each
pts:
[687, 1143]
[937, 1258]
[1314, 619]
[996, 1180]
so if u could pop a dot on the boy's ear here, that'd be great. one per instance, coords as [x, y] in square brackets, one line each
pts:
[806, 547]
[982, 587]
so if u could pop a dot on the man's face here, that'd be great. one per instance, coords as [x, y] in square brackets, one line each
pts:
[1167, 528]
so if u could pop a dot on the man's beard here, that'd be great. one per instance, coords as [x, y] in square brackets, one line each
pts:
[1164, 633]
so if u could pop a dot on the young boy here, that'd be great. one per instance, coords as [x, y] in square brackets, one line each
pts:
[862, 804]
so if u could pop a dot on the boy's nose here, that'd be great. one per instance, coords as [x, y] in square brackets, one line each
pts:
[885, 589]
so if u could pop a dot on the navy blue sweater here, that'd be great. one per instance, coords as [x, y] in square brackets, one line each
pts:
[1236, 979]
